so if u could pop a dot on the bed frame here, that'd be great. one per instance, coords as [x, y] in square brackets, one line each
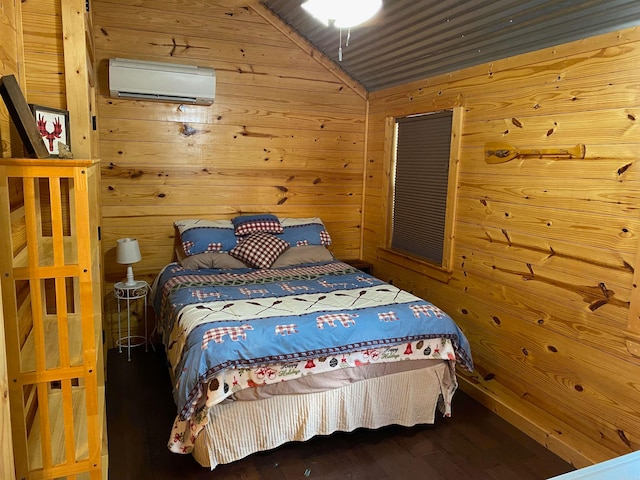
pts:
[238, 429]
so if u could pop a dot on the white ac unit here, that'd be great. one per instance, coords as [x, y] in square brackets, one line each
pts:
[165, 82]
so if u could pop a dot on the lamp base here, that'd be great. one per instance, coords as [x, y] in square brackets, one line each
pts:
[130, 281]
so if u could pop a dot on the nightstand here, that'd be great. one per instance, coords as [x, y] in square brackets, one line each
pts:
[366, 267]
[129, 294]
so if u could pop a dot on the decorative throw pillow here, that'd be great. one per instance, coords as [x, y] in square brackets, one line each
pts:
[259, 250]
[210, 260]
[303, 254]
[198, 236]
[247, 224]
[304, 231]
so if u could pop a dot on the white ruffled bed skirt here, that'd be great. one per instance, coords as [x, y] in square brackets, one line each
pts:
[238, 429]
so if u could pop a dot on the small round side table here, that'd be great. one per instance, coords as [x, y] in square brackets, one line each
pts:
[129, 293]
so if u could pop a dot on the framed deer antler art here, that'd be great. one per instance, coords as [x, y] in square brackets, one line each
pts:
[53, 125]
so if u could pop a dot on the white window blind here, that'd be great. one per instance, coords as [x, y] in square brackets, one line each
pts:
[420, 184]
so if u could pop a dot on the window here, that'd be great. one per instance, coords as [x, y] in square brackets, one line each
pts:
[424, 179]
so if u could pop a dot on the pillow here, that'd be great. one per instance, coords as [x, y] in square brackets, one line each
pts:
[198, 236]
[211, 260]
[259, 250]
[247, 224]
[303, 254]
[304, 231]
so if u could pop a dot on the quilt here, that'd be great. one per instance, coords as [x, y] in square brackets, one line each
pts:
[226, 330]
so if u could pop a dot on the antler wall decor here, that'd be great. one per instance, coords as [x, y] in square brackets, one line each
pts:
[500, 152]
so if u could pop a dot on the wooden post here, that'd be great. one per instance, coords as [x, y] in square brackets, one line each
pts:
[7, 469]
[76, 67]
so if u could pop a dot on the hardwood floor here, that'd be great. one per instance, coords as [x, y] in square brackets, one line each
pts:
[474, 444]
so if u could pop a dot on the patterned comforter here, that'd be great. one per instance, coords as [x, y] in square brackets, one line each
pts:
[226, 330]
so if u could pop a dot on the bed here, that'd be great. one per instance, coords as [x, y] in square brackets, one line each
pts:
[270, 339]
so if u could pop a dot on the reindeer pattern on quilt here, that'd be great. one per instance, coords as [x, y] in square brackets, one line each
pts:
[216, 334]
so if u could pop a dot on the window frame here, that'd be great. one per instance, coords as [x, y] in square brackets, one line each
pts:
[443, 271]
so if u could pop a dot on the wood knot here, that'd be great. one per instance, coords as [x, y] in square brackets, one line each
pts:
[624, 438]
[187, 130]
[624, 168]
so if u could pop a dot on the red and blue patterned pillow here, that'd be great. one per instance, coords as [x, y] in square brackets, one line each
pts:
[199, 236]
[246, 224]
[259, 250]
[304, 231]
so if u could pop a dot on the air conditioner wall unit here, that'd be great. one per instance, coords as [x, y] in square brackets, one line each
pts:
[164, 82]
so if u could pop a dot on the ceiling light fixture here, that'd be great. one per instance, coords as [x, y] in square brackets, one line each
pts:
[342, 14]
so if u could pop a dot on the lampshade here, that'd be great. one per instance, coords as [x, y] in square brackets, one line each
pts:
[343, 14]
[128, 251]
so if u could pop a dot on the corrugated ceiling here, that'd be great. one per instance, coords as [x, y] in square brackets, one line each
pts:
[414, 39]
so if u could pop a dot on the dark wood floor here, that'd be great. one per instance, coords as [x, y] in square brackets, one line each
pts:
[473, 444]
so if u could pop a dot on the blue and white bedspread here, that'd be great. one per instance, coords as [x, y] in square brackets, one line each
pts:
[225, 330]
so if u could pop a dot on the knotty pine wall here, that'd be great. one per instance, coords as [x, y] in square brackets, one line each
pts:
[284, 135]
[43, 54]
[9, 54]
[544, 278]
[11, 146]
[8, 66]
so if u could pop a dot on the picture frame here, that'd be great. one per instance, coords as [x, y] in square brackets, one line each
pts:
[53, 126]
[22, 118]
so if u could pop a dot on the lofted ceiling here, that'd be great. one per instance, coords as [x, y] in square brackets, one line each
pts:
[409, 40]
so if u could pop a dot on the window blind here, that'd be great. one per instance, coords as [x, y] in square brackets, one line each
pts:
[420, 189]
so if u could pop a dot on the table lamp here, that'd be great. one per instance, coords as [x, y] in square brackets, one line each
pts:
[128, 253]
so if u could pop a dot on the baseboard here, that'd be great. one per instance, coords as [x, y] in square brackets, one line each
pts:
[565, 442]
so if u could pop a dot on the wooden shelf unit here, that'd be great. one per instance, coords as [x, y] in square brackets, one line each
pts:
[52, 304]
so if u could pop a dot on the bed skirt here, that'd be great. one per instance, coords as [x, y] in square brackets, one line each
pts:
[238, 429]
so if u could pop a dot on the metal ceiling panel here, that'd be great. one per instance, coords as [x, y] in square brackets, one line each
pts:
[409, 40]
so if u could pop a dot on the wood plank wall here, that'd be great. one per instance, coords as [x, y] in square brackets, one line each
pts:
[43, 53]
[9, 53]
[284, 135]
[545, 249]
[10, 48]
